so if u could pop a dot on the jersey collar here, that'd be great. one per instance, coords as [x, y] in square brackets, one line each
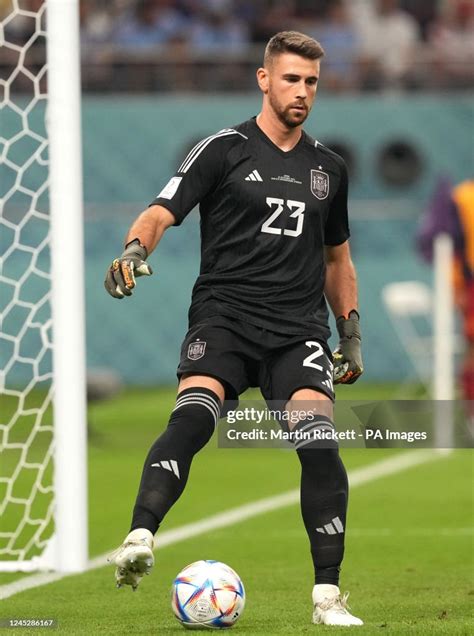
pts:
[268, 141]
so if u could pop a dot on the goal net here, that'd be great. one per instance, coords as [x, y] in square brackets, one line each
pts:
[42, 398]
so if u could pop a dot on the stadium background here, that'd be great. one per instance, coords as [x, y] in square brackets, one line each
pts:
[150, 134]
[158, 75]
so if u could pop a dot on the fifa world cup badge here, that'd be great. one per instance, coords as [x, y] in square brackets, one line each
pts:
[319, 184]
[196, 350]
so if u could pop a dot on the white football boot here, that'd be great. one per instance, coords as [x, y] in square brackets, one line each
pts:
[134, 558]
[330, 607]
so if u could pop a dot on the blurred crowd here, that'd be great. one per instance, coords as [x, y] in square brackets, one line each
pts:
[212, 44]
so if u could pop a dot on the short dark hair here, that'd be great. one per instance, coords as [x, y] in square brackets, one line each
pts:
[292, 42]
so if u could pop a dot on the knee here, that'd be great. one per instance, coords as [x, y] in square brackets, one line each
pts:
[194, 417]
[315, 434]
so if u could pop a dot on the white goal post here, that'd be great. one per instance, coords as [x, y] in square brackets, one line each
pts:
[43, 485]
[443, 389]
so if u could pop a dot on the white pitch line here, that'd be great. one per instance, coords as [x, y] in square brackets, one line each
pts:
[357, 477]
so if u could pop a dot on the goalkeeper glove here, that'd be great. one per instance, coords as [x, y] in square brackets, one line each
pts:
[120, 278]
[347, 357]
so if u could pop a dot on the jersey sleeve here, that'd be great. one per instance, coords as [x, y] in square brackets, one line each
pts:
[195, 178]
[336, 230]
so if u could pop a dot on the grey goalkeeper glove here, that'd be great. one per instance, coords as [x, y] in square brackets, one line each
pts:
[120, 278]
[347, 358]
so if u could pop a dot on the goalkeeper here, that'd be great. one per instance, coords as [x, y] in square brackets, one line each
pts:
[274, 231]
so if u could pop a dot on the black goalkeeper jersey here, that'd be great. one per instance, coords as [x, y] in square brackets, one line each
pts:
[266, 216]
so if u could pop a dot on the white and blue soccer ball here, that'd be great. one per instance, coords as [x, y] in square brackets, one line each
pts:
[207, 594]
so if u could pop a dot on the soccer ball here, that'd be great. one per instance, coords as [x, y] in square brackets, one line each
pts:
[207, 594]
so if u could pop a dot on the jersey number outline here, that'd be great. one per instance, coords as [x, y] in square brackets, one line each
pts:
[297, 209]
[308, 361]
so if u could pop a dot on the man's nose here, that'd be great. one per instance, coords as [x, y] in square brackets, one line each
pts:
[302, 91]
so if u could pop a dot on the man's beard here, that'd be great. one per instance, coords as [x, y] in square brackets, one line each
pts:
[291, 119]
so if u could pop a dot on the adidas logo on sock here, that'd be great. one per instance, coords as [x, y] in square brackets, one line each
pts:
[173, 468]
[254, 176]
[335, 527]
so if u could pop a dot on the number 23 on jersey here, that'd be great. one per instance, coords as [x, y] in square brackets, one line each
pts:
[297, 209]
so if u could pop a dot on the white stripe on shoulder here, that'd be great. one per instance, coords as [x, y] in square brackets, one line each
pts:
[198, 148]
[196, 151]
[193, 151]
[201, 149]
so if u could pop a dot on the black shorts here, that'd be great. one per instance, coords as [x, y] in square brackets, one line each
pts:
[242, 355]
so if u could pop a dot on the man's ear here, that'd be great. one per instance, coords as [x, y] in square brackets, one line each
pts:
[262, 79]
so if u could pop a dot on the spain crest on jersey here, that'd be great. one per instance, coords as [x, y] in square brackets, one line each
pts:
[196, 350]
[319, 184]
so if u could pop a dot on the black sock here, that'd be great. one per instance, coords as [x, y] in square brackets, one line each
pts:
[324, 494]
[167, 465]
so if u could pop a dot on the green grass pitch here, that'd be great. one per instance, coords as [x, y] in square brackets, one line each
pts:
[409, 550]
